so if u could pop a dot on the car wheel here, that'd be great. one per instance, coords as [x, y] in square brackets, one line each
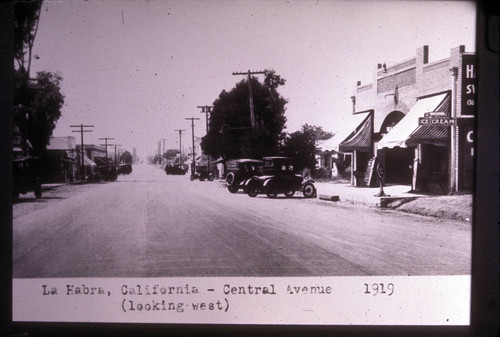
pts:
[191, 177]
[289, 193]
[38, 191]
[211, 177]
[272, 190]
[230, 178]
[309, 190]
[232, 189]
[251, 190]
[15, 193]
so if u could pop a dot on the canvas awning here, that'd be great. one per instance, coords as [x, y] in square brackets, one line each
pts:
[349, 127]
[429, 134]
[88, 162]
[401, 132]
[361, 138]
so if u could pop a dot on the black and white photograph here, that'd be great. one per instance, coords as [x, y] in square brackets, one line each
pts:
[243, 162]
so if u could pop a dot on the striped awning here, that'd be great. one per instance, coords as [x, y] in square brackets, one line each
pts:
[430, 134]
[399, 135]
[361, 138]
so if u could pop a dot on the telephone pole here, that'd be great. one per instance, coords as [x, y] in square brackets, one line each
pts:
[180, 144]
[193, 170]
[82, 154]
[206, 110]
[115, 145]
[163, 154]
[106, 144]
[249, 73]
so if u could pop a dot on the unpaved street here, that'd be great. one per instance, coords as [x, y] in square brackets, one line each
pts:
[150, 224]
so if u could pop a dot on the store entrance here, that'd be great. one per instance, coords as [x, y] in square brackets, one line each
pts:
[398, 168]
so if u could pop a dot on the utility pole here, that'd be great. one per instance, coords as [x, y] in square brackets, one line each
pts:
[206, 110]
[115, 145]
[163, 153]
[106, 144]
[82, 154]
[249, 73]
[180, 144]
[193, 171]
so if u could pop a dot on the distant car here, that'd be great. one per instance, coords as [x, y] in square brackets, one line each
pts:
[279, 176]
[176, 169]
[202, 174]
[124, 168]
[26, 177]
[106, 169]
[239, 170]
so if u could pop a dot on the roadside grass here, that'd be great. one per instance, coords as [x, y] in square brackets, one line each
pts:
[455, 207]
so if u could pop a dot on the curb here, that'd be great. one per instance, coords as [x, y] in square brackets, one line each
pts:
[326, 197]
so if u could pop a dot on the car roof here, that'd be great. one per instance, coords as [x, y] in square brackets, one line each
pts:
[245, 160]
[275, 157]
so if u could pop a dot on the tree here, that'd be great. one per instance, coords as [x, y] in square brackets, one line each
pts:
[37, 101]
[230, 134]
[301, 145]
[26, 19]
[37, 107]
[126, 158]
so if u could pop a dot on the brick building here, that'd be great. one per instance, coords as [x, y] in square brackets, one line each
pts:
[417, 124]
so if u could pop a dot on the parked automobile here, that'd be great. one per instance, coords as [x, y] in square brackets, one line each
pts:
[106, 169]
[124, 168]
[202, 174]
[176, 169]
[26, 177]
[279, 176]
[239, 170]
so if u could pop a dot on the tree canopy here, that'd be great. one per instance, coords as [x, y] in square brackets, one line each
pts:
[37, 107]
[301, 145]
[37, 101]
[230, 133]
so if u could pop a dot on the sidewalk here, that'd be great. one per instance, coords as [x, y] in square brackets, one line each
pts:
[453, 207]
[363, 195]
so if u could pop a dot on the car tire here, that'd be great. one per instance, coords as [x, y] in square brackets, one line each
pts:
[272, 190]
[38, 191]
[309, 190]
[230, 178]
[289, 193]
[232, 188]
[211, 177]
[15, 193]
[191, 177]
[251, 190]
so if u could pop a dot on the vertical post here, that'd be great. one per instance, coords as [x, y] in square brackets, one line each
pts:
[193, 171]
[206, 110]
[82, 153]
[249, 73]
[82, 164]
[180, 145]
[453, 133]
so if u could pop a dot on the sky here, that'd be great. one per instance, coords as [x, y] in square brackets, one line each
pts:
[136, 69]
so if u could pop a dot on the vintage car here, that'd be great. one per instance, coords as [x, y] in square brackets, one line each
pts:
[26, 177]
[124, 168]
[202, 174]
[239, 170]
[106, 169]
[279, 176]
[176, 168]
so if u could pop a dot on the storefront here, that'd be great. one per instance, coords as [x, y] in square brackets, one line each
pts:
[421, 125]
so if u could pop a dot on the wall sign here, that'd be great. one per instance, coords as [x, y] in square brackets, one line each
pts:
[469, 85]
